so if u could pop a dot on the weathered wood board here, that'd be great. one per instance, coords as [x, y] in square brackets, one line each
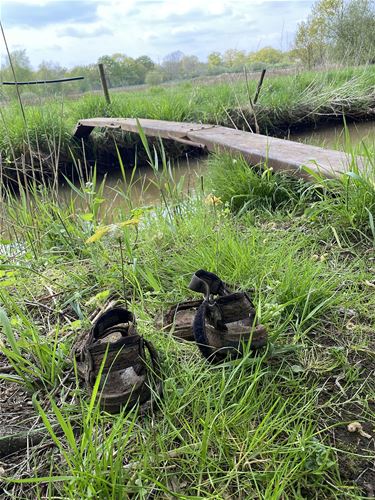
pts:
[280, 154]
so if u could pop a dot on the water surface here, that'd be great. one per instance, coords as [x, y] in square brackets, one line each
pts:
[145, 188]
[336, 136]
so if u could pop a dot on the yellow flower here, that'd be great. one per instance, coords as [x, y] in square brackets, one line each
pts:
[112, 228]
[212, 200]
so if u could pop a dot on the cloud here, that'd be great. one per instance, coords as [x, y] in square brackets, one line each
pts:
[135, 11]
[82, 32]
[54, 48]
[35, 15]
[196, 14]
[146, 3]
[153, 27]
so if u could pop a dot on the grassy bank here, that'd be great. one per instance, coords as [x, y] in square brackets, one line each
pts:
[272, 425]
[285, 103]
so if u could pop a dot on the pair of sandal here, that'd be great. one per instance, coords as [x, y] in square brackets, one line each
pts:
[222, 324]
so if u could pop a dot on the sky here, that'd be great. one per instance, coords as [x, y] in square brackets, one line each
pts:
[73, 32]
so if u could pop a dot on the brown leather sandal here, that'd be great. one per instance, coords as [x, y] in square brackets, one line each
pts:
[216, 338]
[178, 320]
[127, 375]
[224, 322]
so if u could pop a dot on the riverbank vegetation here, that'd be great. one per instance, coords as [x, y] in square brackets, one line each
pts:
[337, 30]
[270, 425]
[286, 103]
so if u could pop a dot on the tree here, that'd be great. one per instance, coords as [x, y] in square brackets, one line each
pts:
[112, 69]
[338, 29]
[143, 65]
[234, 58]
[267, 55]
[91, 78]
[155, 77]
[174, 57]
[305, 45]
[49, 70]
[190, 67]
[146, 61]
[132, 73]
[123, 70]
[172, 65]
[21, 65]
[214, 60]
[312, 37]
[352, 32]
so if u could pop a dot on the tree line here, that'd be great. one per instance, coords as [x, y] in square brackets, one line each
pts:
[122, 70]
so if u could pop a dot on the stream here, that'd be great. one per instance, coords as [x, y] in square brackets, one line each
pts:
[145, 190]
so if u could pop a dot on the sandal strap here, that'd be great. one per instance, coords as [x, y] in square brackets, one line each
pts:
[199, 328]
[230, 308]
[109, 320]
[208, 283]
[170, 315]
[125, 353]
[156, 366]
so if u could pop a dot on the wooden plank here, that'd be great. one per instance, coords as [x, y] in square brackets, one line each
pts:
[153, 128]
[279, 154]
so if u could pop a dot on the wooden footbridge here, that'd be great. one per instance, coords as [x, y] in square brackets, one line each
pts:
[281, 155]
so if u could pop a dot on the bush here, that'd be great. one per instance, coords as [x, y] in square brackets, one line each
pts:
[155, 77]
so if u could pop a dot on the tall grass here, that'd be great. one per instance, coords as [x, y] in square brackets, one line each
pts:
[259, 427]
[344, 206]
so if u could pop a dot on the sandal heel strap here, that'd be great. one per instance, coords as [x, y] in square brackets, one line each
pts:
[110, 319]
[207, 283]
[235, 307]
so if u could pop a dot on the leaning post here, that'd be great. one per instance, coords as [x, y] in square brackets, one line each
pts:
[104, 83]
[260, 83]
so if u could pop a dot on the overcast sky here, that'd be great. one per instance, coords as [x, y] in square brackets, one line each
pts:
[79, 31]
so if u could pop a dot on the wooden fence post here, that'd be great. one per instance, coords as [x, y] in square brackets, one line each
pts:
[104, 83]
[260, 83]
